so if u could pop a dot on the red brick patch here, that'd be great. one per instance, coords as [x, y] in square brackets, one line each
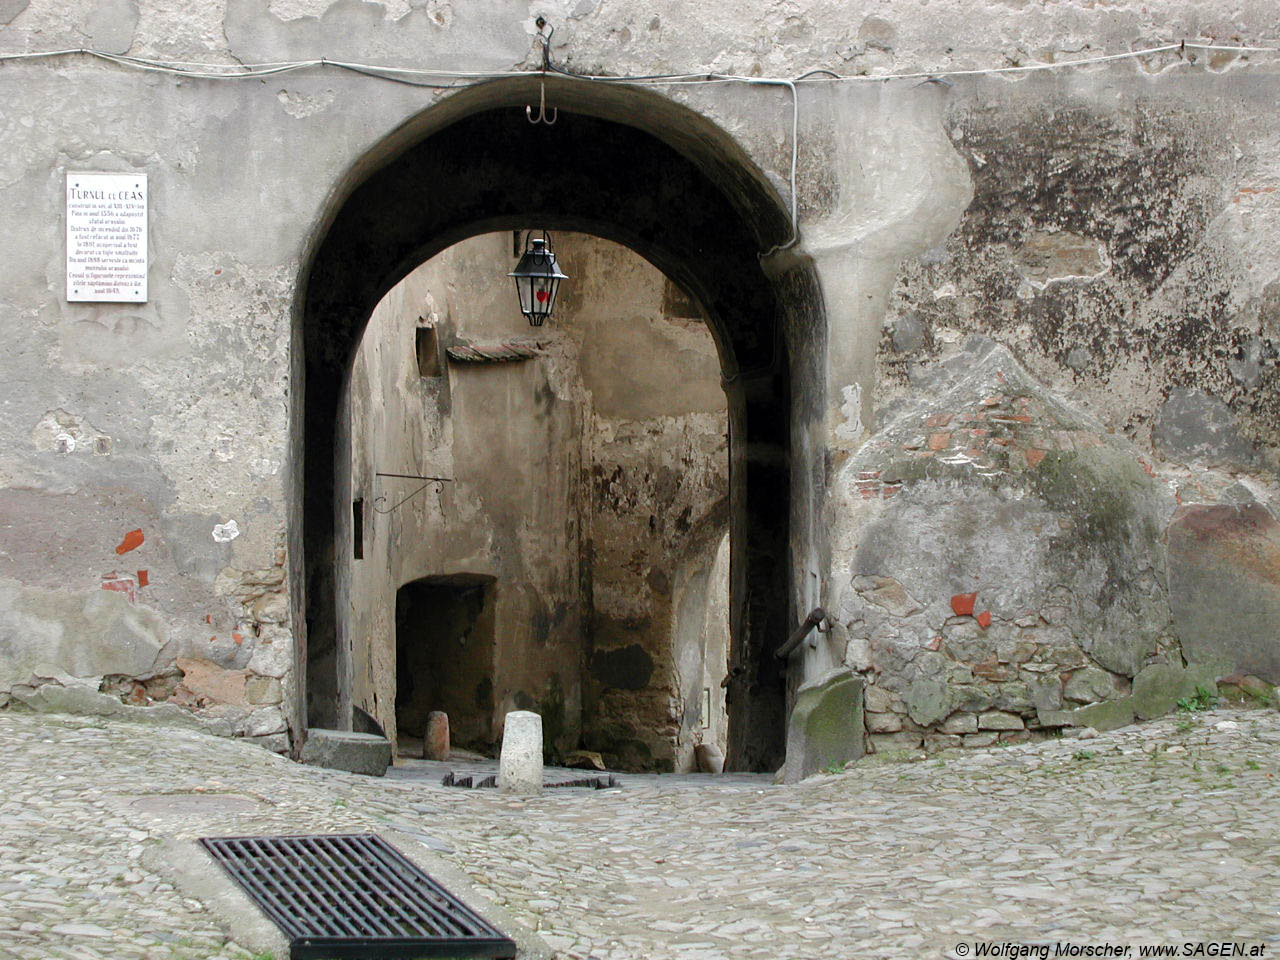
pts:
[963, 603]
[938, 420]
[120, 583]
[144, 578]
[984, 619]
[1034, 457]
[939, 441]
[132, 540]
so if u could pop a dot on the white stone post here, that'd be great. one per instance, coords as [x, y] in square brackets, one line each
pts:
[520, 765]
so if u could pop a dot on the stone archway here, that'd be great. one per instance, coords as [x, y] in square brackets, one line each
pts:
[627, 166]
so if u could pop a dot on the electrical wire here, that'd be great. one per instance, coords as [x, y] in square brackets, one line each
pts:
[236, 71]
[449, 79]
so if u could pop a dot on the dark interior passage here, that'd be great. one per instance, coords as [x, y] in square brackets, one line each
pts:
[445, 648]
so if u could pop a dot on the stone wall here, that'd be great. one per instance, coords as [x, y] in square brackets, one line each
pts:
[658, 488]
[1103, 548]
[1019, 568]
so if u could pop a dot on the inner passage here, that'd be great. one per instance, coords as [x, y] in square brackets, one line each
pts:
[575, 563]
[445, 658]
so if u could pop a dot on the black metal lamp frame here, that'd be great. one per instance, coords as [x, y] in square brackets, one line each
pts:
[537, 276]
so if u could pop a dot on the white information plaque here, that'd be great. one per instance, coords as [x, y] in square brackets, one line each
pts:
[107, 237]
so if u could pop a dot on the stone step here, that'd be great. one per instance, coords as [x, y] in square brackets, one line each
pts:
[365, 753]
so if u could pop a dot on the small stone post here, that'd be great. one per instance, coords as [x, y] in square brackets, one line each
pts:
[708, 758]
[520, 765]
[435, 745]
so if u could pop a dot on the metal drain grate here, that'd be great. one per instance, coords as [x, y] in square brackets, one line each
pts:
[354, 896]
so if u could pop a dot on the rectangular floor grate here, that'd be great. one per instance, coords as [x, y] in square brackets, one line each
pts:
[354, 897]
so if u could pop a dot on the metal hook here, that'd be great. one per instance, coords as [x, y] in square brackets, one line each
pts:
[542, 108]
[541, 23]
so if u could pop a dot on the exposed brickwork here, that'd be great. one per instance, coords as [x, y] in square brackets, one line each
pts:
[997, 435]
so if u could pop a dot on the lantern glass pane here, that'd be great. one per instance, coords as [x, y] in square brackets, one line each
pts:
[524, 290]
[554, 291]
[543, 295]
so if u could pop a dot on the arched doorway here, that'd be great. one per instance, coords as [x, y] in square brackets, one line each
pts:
[624, 165]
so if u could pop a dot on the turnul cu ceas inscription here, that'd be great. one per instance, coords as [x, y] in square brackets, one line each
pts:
[107, 237]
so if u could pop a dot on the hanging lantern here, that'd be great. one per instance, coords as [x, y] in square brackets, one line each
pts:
[537, 277]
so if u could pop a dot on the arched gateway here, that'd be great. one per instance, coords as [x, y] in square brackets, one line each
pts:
[625, 165]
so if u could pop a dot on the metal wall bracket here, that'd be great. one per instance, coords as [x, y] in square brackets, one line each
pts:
[438, 481]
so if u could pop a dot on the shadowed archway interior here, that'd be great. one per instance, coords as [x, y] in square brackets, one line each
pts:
[666, 183]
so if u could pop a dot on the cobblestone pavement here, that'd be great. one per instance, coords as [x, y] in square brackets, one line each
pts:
[1159, 834]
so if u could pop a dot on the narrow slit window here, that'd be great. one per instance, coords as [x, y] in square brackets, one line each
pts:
[357, 528]
[428, 348]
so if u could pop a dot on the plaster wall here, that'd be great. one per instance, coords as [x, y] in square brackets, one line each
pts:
[508, 439]
[701, 641]
[1113, 227]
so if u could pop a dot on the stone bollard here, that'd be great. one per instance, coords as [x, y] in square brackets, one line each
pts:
[520, 766]
[708, 758]
[435, 744]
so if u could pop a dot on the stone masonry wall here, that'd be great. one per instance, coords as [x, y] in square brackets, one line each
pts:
[1125, 284]
[1010, 577]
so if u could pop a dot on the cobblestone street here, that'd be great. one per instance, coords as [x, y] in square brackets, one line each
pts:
[1164, 833]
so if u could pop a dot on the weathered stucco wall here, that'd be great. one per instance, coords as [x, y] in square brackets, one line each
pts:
[658, 488]
[509, 436]
[586, 479]
[1112, 227]
[1106, 247]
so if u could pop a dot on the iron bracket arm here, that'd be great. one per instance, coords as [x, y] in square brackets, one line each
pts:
[815, 618]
